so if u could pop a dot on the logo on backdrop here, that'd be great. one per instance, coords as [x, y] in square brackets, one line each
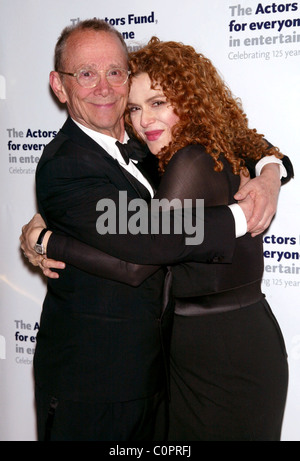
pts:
[267, 32]
[25, 337]
[282, 257]
[24, 148]
[131, 22]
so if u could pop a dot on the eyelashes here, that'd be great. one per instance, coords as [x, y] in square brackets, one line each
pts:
[157, 103]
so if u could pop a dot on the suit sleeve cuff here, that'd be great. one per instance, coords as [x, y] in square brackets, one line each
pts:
[239, 219]
[270, 159]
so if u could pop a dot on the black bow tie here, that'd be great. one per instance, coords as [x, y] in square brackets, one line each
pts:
[133, 149]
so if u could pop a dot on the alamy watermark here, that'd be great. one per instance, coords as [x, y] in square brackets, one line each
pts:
[161, 216]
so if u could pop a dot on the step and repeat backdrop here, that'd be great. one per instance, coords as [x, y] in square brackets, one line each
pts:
[255, 46]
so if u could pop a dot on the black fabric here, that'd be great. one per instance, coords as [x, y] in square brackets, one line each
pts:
[229, 376]
[68, 421]
[191, 174]
[132, 150]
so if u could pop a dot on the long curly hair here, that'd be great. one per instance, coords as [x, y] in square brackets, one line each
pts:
[208, 112]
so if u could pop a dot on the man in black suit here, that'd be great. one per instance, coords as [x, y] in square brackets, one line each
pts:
[99, 363]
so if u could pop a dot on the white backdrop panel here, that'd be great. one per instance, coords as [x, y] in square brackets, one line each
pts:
[256, 48]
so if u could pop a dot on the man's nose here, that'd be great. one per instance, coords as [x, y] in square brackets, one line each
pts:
[102, 87]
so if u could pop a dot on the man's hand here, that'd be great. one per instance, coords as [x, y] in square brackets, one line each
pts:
[28, 238]
[264, 191]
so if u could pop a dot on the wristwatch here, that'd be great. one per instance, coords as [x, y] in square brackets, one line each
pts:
[39, 247]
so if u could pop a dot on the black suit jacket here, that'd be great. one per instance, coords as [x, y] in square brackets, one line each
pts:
[99, 340]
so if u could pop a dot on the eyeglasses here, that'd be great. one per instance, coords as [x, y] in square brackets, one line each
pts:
[89, 78]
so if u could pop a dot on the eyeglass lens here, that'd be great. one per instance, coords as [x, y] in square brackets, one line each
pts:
[90, 77]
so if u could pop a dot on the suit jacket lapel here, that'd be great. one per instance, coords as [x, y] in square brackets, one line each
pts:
[80, 137]
[145, 173]
[71, 130]
[140, 189]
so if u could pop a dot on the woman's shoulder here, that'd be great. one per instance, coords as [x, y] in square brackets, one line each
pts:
[195, 155]
[192, 150]
[192, 155]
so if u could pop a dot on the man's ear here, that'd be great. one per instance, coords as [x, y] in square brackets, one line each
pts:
[57, 86]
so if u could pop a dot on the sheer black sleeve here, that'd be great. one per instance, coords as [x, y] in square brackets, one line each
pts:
[191, 175]
[96, 262]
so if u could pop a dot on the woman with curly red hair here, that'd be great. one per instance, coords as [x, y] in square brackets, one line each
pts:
[229, 368]
[208, 113]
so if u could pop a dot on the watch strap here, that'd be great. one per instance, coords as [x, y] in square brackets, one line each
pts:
[41, 236]
[39, 247]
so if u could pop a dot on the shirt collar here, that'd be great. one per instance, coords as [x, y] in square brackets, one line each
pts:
[108, 143]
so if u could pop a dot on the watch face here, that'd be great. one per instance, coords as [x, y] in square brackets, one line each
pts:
[39, 249]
